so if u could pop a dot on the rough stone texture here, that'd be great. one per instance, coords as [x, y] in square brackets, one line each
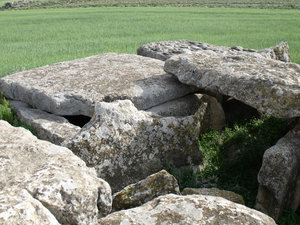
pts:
[166, 49]
[19, 207]
[189, 104]
[50, 127]
[126, 145]
[279, 174]
[188, 210]
[229, 195]
[155, 185]
[53, 176]
[73, 87]
[270, 86]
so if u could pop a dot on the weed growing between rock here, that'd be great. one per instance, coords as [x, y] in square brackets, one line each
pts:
[7, 114]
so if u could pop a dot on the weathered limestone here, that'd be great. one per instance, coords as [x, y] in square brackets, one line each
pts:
[155, 185]
[189, 104]
[126, 145]
[166, 49]
[73, 87]
[270, 86]
[229, 195]
[188, 210]
[57, 181]
[50, 127]
[279, 176]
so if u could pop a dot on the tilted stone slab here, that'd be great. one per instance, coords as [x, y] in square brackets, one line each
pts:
[49, 127]
[270, 86]
[52, 175]
[188, 210]
[229, 195]
[126, 145]
[155, 185]
[279, 176]
[166, 49]
[73, 87]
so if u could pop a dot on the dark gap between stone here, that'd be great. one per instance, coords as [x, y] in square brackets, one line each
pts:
[78, 120]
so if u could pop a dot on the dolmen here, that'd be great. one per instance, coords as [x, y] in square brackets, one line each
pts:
[123, 118]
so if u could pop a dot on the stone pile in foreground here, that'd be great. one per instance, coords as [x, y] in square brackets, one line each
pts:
[42, 183]
[188, 210]
[166, 49]
[125, 144]
[270, 86]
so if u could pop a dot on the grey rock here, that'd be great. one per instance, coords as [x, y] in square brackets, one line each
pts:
[126, 145]
[279, 176]
[270, 86]
[73, 87]
[188, 210]
[53, 176]
[18, 206]
[50, 127]
[155, 185]
[166, 49]
[189, 104]
[229, 195]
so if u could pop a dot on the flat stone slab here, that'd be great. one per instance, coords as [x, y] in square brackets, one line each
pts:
[49, 127]
[166, 49]
[51, 179]
[73, 87]
[270, 86]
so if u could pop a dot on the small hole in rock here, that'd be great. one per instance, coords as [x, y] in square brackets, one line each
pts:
[78, 120]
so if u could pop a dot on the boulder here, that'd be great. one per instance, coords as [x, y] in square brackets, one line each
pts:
[155, 185]
[279, 176]
[126, 145]
[229, 195]
[51, 179]
[50, 127]
[166, 49]
[73, 87]
[189, 104]
[270, 86]
[188, 210]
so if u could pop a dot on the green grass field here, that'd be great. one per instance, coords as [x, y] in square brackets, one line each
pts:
[32, 38]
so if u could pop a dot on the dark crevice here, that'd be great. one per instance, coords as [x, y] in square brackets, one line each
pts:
[78, 120]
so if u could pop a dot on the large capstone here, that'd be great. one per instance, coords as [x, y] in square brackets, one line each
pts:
[279, 176]
[166, 49]
[270, 86]
[42, 183]
[73, 87]
[126, 145]
[188, 210]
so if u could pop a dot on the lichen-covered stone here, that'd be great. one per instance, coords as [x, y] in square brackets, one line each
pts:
[270, 86]
[229, 195]
[166, 49]
[53, 176]
[126, 145]
[188, 210]
[277, 178]
[189, 104]
[49, 127]
[155, 185]
[73, 87]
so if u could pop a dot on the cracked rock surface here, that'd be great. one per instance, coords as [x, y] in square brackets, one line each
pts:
[73, 87]
[126, 145]
[270, 86]
[47, 183]
[188, 210]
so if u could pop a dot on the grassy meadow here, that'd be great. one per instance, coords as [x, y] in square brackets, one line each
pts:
[32, 38]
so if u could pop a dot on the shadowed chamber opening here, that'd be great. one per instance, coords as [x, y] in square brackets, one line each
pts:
[78, 120]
